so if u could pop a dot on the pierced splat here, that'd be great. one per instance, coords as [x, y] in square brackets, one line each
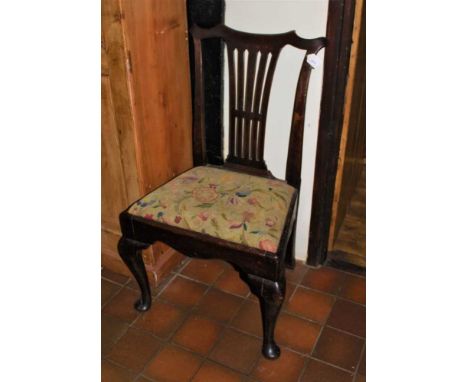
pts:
[252, 61]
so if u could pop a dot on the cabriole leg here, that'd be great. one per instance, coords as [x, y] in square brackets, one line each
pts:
[271, 297]
[130, 252]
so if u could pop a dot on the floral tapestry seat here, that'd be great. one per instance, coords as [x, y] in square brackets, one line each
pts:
[233, 206]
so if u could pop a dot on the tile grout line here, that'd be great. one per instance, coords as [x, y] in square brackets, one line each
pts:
[226, 325]
[359, 362]
[331, 295]
[332, 365]
[162, 341]
[304, 368]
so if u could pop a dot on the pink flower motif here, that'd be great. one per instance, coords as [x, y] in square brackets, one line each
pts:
[236, 224]
[204, 194]
[233, 201]
[248, 215]
[212, 185]
[204, 215]
[149, 216]
[177, 219]
[267, 245]
[270, 222]
[252, 201]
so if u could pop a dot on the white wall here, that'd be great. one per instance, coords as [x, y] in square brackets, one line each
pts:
[309, 19]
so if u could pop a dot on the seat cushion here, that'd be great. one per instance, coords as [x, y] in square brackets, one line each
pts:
[233, 206]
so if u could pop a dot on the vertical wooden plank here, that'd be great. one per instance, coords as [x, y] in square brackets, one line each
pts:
[156, 34]
[343, 195]
[115, 55]
[339, 31]
[113, 190]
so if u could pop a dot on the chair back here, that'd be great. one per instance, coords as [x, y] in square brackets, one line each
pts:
[252, 61]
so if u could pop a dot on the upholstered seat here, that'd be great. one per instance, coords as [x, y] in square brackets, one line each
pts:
[233, 206]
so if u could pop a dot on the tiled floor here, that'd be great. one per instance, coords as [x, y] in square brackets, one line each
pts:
[205, 326]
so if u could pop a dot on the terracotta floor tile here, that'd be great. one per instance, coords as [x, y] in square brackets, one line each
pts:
[112, 329]
[290, 289]
[108, 290]
[319, 372]
[134, 349]
[325, 279]
[219, 305]
[237, 351]
[296, 333]
[114, 373]
[173, 364]
[143, 379]
[310, 304]
[183, 292]
[287, 368]
[249, 318]
[114, 277]
[155, 289]
[360, 378]
[354, 288]
[230, 282]
[206, 271]
[162, 319]
[212, 372]
[349, 317]
[339, 348]
[121, 305]
[198, 334]
[295, 276]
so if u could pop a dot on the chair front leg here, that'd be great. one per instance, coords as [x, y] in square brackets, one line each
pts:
[271, 297]
[130, 252]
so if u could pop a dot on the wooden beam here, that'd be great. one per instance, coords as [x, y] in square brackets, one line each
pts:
[339, 36]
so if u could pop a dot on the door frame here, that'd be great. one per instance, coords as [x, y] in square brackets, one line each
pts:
[336, 64]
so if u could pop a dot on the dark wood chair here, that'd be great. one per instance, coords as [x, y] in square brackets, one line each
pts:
[216, 211]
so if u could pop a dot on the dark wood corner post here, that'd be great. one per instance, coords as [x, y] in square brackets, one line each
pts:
[339, 36]
[208, 13]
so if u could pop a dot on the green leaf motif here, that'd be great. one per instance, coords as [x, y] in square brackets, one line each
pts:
[205, 205]
[276, 237]
[280, 196]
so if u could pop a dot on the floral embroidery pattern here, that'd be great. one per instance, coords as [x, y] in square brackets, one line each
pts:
[237, 207]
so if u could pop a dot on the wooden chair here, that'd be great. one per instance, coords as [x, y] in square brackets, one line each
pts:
[237, 212]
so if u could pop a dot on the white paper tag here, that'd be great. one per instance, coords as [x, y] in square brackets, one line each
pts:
[314, 60]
